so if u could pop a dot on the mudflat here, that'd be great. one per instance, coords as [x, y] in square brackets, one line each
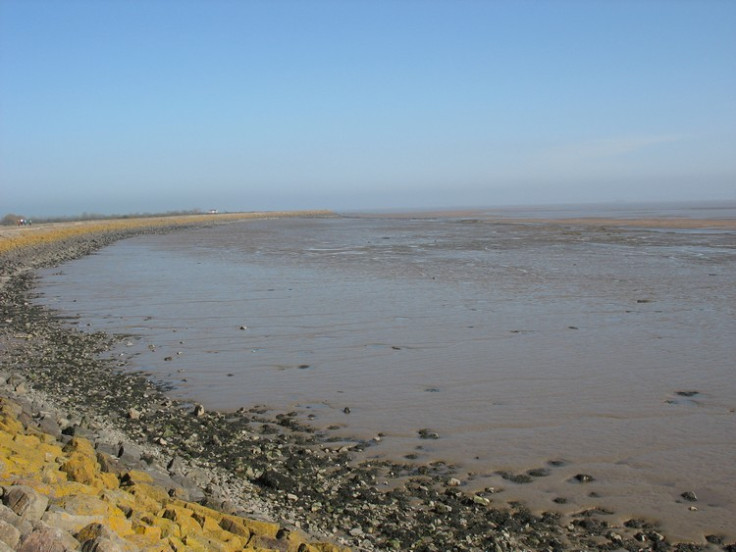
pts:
[307, 478]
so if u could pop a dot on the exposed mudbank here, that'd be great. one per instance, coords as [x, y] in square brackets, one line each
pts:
[258, 461]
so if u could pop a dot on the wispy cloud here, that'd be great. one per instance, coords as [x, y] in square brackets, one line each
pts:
[593, 150]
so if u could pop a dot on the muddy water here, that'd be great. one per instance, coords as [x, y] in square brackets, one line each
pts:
[569, 348]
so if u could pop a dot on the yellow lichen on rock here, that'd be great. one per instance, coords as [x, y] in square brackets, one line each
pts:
[70, 491]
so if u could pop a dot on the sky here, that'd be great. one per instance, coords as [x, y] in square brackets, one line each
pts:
[124, 106]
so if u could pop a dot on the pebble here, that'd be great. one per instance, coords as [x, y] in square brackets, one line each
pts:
[428, 434]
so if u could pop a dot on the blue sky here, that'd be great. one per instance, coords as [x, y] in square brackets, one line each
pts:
[138, 106]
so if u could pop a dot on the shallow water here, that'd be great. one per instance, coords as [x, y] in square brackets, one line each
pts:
[517, 344]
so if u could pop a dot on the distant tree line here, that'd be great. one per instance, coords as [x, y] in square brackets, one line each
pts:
[11, 219]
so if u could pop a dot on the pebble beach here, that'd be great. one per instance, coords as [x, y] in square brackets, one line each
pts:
[149, 472]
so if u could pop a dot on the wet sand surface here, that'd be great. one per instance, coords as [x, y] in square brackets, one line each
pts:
[557, 346]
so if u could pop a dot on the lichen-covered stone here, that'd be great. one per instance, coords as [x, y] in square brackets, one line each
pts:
[81, 468]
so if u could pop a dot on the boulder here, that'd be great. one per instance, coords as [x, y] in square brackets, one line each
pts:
[9, 534]
[25, 502]
[48, 539]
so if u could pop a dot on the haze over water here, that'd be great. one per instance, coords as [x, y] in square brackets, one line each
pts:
[519, 344]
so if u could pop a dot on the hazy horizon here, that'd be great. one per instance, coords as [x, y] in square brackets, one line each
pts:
[118, 107]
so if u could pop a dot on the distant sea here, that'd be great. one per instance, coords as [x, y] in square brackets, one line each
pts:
[595, 349]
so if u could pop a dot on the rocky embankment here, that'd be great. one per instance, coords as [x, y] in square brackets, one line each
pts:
[252, 464]
[61, 493]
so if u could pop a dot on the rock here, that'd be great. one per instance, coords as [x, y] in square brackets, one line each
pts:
[187, 489]
[9, 516]
[655, 537]
[129, 453]
[134, 414]
[48, 539]
[108, 464]
[583, 478]
[81, 468]
[93, 531]
[102, 544]
[95, 537]
[9, 534]
[276, 480]
[68, 522]
[48, 424]
[428, 434]
[26, 502]
[689, 496]
[176, 466]
[454, 482]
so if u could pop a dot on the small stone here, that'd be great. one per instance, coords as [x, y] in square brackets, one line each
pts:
[428, 434]
[655, 537]
[134, 414]
[453, 482]
[689, 496]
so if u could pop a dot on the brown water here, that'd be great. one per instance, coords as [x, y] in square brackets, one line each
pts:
[517, 344]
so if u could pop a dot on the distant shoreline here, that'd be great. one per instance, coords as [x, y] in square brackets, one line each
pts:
[495, 217]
